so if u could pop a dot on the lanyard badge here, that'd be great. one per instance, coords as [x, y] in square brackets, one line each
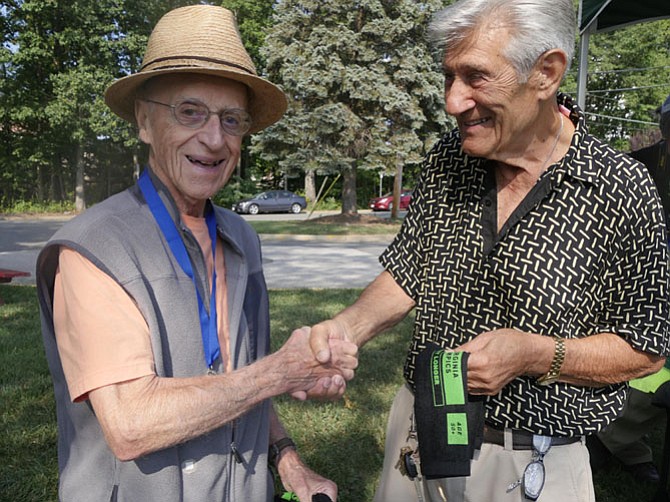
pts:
[208, 325]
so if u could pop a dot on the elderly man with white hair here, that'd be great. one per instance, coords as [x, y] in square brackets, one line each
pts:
[535, 258]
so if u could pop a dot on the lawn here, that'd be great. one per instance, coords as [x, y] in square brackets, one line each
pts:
[342, 440]
[329, 225]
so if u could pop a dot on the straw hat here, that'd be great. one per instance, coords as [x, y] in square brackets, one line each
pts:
[199, 39]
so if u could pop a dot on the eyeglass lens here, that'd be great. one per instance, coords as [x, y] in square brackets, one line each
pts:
[192, 114]
[534, 474]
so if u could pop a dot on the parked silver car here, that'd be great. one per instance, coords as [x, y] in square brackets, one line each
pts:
[273, 201]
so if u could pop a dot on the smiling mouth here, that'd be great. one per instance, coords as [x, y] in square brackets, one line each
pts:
[203, 163]
[471, 123]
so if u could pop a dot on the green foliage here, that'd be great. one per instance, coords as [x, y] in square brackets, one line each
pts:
[28, 207]
[57, 59]
[628, 78]
[328, 204]
[235, 190]
[364, 88]
[253, 19]
[365, 91]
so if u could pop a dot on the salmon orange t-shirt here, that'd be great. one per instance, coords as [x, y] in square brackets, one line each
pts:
[101, 334]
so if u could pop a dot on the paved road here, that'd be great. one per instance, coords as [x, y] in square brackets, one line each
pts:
[289, 261]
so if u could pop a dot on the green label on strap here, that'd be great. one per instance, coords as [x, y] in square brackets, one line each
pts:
[457, 428]
[447, 379]
[453, 377]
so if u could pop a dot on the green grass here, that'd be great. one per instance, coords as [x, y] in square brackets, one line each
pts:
[36, 208]
[314, 227]
[342, 440]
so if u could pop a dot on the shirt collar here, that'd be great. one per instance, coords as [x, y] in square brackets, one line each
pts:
[573, 164]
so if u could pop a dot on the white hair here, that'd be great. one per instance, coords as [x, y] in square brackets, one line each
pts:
[536, 26]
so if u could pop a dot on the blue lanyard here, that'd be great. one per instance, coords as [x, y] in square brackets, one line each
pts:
[208, 328]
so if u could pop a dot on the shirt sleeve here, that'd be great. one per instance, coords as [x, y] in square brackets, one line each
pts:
[404, 257]
[637, 282]
[101, 335]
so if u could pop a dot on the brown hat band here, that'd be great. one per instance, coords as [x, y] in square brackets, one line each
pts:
[145, 66]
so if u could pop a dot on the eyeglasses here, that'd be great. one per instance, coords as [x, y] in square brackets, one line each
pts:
[194, 114]
[533, 475]
[532, 481]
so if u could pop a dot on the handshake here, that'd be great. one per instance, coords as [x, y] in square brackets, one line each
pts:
[317, 362]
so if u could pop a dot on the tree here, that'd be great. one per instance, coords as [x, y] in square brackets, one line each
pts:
[253, 19]
[58, 58]
[364, 89]
[629, 77]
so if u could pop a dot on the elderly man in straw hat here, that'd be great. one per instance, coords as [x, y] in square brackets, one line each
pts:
[154, 306]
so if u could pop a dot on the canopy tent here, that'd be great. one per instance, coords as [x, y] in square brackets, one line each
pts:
[598, 16]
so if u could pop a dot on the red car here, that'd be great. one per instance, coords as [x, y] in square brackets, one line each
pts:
[385, 202]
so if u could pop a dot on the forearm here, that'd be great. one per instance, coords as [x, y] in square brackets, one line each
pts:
[152, 413]
[381, 306]
[288, 459]
[605, 359]
[295, 475]
[498, 357]
[277, 430]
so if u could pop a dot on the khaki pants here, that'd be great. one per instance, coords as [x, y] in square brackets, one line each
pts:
[494, 468]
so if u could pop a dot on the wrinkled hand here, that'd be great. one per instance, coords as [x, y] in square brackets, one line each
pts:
[322, 335]
[308, 377]
[302, 481]
[325, 338]
[496, 358]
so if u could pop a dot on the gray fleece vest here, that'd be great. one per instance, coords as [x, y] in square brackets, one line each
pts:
[121, 237]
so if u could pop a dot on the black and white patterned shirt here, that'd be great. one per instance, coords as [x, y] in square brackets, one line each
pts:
[584, 253]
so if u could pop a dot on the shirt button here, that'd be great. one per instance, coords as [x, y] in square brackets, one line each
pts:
[487, 202]
[188, 466]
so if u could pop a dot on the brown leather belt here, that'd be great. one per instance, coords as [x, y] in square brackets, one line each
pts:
[522, 440]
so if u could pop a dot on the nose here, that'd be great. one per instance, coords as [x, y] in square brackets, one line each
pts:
[457, 97]
[211, 132]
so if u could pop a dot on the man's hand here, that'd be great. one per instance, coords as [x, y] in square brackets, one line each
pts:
[312, 378]
[301, 480]
[498, 357]
[381, 305]
[326, 340]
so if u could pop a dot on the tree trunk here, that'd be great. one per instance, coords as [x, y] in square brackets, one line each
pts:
[79, 200]
[349, 191]
[310, 186]
[41, 192]
[245, 158]
[397, 187]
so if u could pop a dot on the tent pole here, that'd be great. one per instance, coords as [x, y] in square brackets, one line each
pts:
[583, 69]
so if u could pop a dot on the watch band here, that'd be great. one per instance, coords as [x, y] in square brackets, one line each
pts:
[556, 364]
[277, 447]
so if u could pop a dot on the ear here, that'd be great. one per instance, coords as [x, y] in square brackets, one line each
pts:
[549, 69]
[143, 120]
